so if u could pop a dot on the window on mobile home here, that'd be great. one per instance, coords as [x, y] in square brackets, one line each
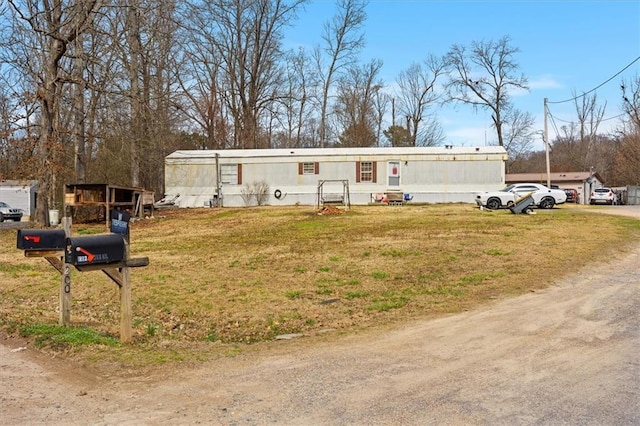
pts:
[231, 174]
[366, 171]
[311, 168]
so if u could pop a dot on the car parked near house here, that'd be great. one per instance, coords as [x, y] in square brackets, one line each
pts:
[603, 196]
[543, 197]
[572, 195]
[9, 213]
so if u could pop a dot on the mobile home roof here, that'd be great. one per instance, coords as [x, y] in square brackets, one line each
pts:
[313, 152]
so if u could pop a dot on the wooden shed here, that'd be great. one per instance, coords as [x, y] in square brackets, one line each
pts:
[94, 201]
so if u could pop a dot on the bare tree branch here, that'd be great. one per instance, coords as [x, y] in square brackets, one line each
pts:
[484, 76]
[343, 39]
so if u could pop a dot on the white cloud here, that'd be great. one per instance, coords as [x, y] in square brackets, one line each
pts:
[469, 136]
[544, 82]
[538, 83]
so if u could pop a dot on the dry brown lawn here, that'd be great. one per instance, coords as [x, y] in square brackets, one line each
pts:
[230, 278]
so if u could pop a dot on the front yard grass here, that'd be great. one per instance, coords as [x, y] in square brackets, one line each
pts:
[232, 278]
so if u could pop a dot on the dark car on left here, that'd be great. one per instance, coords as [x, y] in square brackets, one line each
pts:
[572, 195]
[9, 213]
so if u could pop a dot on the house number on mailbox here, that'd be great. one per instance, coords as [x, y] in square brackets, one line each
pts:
[67, 279]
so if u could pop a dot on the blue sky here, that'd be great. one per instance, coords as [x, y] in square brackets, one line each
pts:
[565, 47]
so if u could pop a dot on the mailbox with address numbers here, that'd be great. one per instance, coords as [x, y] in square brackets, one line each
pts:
[41, 239]
[95, 249]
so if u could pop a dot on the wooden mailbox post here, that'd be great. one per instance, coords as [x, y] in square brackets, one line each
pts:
[108, 253]
[50, 244]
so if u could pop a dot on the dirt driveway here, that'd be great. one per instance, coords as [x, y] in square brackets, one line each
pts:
[569, 354]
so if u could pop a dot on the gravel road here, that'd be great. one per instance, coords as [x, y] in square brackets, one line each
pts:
[569, 354]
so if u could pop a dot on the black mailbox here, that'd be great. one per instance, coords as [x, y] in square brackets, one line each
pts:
[41, 239]
[95, 249]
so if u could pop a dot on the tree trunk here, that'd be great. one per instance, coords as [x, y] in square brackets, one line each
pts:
[80, 156]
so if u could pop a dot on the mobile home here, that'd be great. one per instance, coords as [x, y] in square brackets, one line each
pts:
[197, 178]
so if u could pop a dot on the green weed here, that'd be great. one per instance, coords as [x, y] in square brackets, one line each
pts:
[59, 337]
[294, 294]
[380, 275]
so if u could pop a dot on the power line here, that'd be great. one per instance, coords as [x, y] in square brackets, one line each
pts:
[597, 87]
[553, 122]
[555, 126]
[601, 120]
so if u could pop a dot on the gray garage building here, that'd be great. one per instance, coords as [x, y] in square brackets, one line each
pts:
[20, 194]
[583, 182]
[197, 178]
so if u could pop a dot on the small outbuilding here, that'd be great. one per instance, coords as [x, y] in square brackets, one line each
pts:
[86, 202]
[583, 182]
[20, 194]
[233, 178]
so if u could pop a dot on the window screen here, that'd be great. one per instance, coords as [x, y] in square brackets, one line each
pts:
[229, 174]
[308, 168]
[366, 171]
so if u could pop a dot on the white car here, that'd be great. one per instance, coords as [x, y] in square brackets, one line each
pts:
[603, 196]
[543, 197]
[7, 212]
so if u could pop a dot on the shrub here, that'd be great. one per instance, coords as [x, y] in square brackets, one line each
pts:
[256, 193]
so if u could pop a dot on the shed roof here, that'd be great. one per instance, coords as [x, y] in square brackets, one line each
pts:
[287, 152]
[555, 177]
[23, 183]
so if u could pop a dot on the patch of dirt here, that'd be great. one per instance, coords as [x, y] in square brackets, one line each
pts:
[568, 354]
[330, 210]
[630, 211]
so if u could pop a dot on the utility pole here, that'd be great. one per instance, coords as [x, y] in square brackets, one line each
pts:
[393, 112]
[546, 142]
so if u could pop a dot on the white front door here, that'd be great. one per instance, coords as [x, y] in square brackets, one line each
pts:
[393, 173]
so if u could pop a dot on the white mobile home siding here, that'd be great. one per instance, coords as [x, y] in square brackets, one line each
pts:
[429, 174]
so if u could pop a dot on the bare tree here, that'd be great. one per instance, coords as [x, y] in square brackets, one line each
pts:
[627, 161]
[293, 108]
[343, 39]
[247, 36]
[417, 93]
[579, 146]
[355, 104]
[17, 143]
[568, 154]
[589, 114]
[78, 106]
[137, 65]
[589, 118]
[53, 26]
[517, 132]
[202, 81]
[631, 103]
[381, 103]
[483, 76]
[92, 59]
[627, 171]
[140, 92]
[307, 84]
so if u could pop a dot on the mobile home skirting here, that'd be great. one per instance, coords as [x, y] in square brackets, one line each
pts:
[197, 178]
